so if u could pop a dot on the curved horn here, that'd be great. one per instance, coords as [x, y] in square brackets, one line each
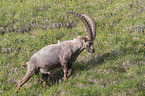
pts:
[87, 25]
[93, 25]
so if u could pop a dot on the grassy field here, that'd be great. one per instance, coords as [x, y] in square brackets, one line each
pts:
[116, 68]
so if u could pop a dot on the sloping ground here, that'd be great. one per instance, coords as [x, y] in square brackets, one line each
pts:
[116, 68]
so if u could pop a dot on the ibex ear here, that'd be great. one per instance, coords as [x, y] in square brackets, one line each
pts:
[81, 37]
[85, 38]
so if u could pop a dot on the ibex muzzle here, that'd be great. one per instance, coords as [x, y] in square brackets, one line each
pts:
[62, 54]
[90, 48]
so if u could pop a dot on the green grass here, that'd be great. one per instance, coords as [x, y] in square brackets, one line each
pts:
[116, 68]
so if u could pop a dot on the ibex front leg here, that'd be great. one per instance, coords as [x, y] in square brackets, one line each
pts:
[44, 79]
[69, 70]
[65, 70]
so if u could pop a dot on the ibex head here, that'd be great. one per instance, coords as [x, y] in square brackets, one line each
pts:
[88, 41]
[89, 46]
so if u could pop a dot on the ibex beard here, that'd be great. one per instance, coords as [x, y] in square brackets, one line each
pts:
[63, 54]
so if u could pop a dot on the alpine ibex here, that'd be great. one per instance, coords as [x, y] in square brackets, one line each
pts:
[61, 54]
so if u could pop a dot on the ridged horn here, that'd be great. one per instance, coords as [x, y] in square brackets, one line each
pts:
[87, 25]
[93, 25]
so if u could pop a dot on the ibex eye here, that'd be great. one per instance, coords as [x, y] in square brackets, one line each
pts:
[88, 44]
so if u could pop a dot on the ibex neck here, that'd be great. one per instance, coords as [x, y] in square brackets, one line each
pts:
[76, 49]
[77, 46]
[73, 45]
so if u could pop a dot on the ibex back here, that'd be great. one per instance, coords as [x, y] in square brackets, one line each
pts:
[62, 54]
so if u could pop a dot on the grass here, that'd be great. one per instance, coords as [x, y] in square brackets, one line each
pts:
[116, 68]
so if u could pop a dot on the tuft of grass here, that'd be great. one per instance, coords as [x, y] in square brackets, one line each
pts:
[116, 68]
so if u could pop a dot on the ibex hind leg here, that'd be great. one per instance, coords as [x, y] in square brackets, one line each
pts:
[29, 74]
[37, 72]
[44, 80]
[69, 72]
